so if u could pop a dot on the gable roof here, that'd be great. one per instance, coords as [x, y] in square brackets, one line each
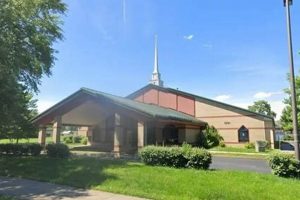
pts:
[149, 110]
[196, 97]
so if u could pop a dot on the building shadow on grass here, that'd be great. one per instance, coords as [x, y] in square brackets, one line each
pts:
[76, 172]
[28, 189]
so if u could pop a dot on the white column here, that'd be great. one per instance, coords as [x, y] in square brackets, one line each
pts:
[142, 134]
[56, 129]
[42, 136]
[272, 137]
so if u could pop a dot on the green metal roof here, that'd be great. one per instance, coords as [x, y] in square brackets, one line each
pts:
[148, 109]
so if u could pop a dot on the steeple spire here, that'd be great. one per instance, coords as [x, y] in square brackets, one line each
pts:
[155, 70]
[155, 80]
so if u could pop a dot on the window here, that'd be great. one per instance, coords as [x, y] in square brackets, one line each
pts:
[243, 134]
[170, 135]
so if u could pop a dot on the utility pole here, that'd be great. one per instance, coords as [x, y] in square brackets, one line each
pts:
[287, 4]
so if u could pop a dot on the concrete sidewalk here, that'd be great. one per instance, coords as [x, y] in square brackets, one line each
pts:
[28, 189]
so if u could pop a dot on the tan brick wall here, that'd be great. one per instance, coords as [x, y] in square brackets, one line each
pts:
[228, 121]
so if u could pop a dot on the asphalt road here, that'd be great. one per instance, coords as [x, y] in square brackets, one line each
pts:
[244, 164]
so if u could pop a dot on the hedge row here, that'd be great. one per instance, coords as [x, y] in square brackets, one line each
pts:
[21, 149]
[178, 157]
[284, 165]
[34, 149]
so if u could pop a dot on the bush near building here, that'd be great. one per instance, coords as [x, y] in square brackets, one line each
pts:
[73, 139]
[284, 165]
[250, 145]
[58, 150]
[209, 138]
[179, 157]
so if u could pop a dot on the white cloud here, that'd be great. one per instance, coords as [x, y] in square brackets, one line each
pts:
[223, 97]
[264, 95]
[44, 105]
[188, 37]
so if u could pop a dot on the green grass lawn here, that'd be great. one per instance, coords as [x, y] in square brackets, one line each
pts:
[134, 178]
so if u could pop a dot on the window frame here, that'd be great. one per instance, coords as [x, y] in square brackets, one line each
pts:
[240, 131]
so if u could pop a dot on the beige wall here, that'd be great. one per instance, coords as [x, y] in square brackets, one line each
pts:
[228, 121]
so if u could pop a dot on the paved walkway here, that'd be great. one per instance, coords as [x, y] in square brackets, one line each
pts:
[35, 190]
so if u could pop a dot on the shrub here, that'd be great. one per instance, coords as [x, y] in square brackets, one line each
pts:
[72, 139]
[250, 145]
[178, 157]
[58, 150]
[35, 149]
[284, 165]
[21, 149]
[209, 138]
[77, 139]
[199, 159]
[222, 144]
[68, 139]
[266, 144]
[84, 141]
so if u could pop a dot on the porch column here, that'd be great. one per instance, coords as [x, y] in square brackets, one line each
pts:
[117, 134]
[142, 134]
[56, 129]
[272, 137]
[90, 135]
[42, 136]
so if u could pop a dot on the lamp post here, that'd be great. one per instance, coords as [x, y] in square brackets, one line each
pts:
[287, 4]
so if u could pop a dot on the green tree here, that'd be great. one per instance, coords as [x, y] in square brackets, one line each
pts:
[286, 116]
[28, 30]
[17, 108]
[262, 107]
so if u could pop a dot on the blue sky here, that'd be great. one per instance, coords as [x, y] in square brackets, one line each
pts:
[232, 51]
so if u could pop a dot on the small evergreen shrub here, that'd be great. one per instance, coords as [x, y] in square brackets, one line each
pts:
[57, 150]
[21, 149]
[284, 165]
[250, 145]
[178, 157]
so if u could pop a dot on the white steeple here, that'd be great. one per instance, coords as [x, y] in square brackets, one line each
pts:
[155, 80]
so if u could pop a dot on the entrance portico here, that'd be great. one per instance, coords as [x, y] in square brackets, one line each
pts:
[116, 124]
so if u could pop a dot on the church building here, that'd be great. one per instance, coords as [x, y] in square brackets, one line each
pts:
[152, 115]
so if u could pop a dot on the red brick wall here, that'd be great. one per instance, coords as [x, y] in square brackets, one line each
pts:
[186, 105]
[151, 97]
[168, 100]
